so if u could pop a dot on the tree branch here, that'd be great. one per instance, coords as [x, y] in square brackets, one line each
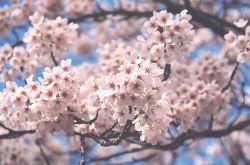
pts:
[213, 22]
[103, 14]
[14, 134]
[191, 135]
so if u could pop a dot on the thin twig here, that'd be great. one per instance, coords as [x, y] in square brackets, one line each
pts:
[167, 72]
[210, 125]
[241, 106]
[233, 74]
[82, 151]
[53, 58]
[46, 159]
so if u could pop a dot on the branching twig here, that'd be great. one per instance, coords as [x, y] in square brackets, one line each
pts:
[109, 130]
[241, 106]
[14, 133]
[118, 140]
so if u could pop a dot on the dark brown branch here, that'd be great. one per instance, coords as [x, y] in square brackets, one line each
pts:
[177, 142]
[15, 134]
[233, 74]
[53, 59]
[106, 141]
[216, 24]
[118, 140]
[104, 14]
[109, 130]
[18, 43]
[203, 134]
[167, 72]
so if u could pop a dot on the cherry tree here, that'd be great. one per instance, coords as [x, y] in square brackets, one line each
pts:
[170, 78]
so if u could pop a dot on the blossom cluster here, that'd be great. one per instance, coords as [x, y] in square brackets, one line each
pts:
[5, 53]
[14, 14]
[111, 55]
[17, 11]
[49, 37]
[166, 37]
[193, 101]
[41, 105]
[238, 47]
[47, 40]
[16, 62]
[188, 102]
[192, 91]
[137, 90]
[195, 90]
[125, 86]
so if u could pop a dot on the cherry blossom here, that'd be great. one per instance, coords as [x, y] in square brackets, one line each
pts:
[49, 37]
[237, 47]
